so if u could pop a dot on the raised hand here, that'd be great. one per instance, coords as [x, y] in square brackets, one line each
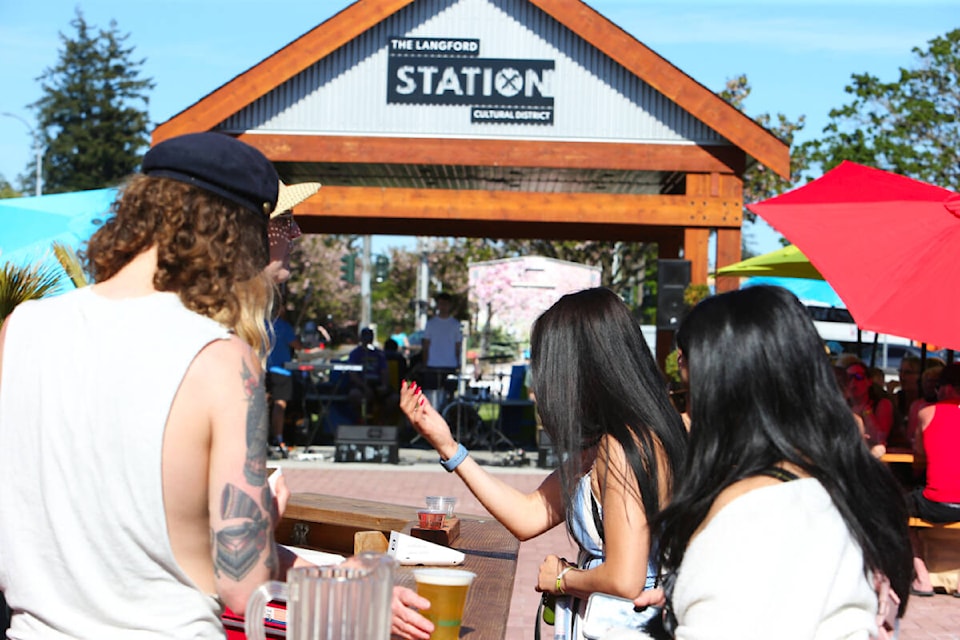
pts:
[425, 419]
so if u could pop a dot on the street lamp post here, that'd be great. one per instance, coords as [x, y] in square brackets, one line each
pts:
[36, 148]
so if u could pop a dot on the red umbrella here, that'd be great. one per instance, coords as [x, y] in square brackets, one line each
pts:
[889, 246]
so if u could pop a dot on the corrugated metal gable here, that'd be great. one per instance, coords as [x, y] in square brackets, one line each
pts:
[595, 99]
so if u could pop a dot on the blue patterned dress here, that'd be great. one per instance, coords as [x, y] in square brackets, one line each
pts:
[569, 611]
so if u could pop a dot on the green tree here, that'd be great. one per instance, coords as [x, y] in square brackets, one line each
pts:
[7, 190]
[315, 290]
[908, 126]
[759, 183]
[92, 117]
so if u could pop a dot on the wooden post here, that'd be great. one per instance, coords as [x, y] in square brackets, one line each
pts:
[729, 243]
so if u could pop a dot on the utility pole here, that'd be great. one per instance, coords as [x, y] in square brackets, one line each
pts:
[38, 151]
[423, 290]
[365, 269]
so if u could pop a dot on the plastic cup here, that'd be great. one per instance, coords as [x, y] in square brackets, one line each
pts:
[431, 519]
[446, 589]
[442, 503]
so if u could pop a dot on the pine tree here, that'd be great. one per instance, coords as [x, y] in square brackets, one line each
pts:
[92, 118]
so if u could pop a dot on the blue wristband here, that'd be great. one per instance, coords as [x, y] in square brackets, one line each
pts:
[457, 458]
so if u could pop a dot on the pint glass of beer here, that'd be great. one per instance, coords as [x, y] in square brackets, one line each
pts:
[446, 589]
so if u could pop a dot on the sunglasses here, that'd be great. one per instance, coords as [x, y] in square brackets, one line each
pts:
[859, 377]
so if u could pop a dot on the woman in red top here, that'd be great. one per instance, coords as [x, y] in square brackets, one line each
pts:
[936, 450]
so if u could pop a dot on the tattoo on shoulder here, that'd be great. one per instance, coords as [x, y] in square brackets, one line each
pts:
[255, 467]
[239, 545]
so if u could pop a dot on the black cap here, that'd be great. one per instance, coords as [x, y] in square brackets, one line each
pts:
[220, 164]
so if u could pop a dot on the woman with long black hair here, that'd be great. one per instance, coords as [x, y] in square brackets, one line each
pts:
[621, 443]
[783, 524]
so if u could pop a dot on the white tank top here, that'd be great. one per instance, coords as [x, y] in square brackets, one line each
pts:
[87, 384]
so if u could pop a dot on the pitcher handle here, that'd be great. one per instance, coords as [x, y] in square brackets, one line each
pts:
[257, 607]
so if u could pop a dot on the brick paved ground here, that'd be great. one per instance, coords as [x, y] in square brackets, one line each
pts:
[936, 618]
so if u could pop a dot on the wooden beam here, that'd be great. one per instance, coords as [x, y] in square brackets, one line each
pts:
[676, 85]
[377, 204]
[695, 249]
[483, 229]
[269, 74]
[502, 153]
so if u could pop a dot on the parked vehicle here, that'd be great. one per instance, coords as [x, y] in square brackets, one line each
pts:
[889, 356]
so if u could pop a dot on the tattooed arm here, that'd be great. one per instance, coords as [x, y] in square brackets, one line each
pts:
[241, 506]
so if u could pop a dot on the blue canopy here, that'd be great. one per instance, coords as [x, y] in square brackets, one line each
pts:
[30, 226]
[815, 291]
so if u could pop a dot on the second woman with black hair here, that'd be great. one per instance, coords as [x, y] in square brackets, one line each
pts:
[783, 523]
[605, 407]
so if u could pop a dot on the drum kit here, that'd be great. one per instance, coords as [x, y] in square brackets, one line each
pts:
[463, 415]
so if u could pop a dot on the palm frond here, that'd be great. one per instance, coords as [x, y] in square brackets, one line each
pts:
[70, 262]
[21, 283]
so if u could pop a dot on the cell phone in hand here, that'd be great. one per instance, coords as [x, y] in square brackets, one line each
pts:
[606, 613]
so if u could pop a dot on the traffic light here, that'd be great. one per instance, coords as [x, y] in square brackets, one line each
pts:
[382, 268]
[348, 268]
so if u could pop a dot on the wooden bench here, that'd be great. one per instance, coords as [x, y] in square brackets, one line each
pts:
[940, 550]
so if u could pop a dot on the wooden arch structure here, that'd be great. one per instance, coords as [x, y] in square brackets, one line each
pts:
[501, 181]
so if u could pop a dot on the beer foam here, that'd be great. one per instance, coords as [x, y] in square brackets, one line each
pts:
[444, 577]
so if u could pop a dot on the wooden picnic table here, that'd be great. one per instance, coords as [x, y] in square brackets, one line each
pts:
[337, 524]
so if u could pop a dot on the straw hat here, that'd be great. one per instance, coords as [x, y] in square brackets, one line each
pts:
[293, 194]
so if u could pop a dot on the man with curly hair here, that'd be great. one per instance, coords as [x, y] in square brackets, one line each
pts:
[133, 480]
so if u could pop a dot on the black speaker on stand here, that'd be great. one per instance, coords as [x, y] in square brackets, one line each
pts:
[673, 278]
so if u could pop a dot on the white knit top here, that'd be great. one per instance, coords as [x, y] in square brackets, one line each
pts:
[777, 562]
[87, 384]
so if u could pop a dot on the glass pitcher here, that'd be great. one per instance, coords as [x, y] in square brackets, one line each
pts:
[349, 601]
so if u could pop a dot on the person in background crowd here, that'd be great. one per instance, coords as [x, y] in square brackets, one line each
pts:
[908, 391]
[778, 489]
[936, 452]
[867, 401]
[282, 231]
[442, 339]
[604, 404]
[391, 350]
[370, 388]
[280, 379]
[400, 337]
[928, 395]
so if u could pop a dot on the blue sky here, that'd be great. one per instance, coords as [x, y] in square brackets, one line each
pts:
[798, 56]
